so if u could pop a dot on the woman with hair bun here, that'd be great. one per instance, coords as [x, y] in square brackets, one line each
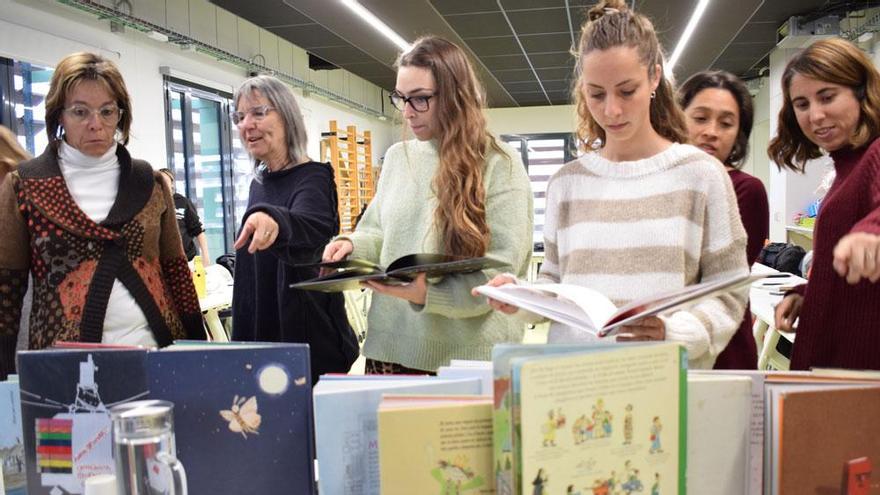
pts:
[640, 213]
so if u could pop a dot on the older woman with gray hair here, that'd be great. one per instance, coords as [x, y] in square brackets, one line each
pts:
[291, 215]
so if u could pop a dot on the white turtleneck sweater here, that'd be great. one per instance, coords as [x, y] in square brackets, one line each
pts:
[93, 183]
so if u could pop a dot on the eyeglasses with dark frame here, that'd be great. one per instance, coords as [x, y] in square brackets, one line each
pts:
[258, 113]
[419, 103]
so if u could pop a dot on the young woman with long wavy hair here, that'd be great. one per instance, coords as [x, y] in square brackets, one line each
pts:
[640, 213]
[455, 190]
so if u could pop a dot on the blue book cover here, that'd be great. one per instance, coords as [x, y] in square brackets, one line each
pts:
[11, 440]
[66, 396]
[346, 428]
[243, 416]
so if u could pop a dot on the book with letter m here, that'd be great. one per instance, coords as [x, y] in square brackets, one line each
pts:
[348, 274]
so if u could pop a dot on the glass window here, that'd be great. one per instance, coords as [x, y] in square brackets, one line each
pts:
[23, 89]
[543, 155]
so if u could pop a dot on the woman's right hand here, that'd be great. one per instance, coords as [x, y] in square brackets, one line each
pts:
[787, 312]
[498, 281]
[337, 250]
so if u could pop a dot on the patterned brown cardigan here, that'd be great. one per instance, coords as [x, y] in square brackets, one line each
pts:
[74, 261]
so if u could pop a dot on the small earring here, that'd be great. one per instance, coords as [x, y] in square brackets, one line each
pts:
[653, 94]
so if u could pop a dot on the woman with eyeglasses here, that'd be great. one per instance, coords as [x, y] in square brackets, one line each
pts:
[93, 227]
[291, 215]
[454, 190]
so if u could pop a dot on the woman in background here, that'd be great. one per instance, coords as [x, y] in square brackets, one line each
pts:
[452, 190]
[719, 114]
[640, 213]
[93, 227]
[291, 214]
[831, 102]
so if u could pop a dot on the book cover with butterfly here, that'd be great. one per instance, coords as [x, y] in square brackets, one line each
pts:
[243, 416]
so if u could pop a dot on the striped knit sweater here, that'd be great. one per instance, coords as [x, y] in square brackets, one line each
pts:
[634, 229]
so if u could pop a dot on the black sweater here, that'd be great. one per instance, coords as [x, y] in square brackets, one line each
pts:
[302, 200]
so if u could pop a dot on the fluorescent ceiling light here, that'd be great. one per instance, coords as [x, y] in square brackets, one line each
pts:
[686, 35]
[374, 21]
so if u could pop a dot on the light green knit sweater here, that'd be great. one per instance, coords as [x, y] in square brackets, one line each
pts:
[452, 324]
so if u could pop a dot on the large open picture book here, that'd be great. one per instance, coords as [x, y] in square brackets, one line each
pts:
[586, 309]
[349, 273]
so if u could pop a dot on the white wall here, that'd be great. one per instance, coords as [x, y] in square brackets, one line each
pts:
[42, 32]
[531, 120]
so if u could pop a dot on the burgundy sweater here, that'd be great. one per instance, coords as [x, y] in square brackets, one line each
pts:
[742, 352]
[840, 323]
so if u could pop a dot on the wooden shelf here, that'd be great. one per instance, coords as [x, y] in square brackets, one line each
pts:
[351, 155]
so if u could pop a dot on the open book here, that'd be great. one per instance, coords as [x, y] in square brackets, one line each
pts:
[348, 274]
[588, 310]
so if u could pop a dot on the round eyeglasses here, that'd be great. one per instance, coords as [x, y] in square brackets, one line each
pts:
[418, 103]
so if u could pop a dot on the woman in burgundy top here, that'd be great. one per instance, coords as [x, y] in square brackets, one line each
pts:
[719, 113]
[831, 93]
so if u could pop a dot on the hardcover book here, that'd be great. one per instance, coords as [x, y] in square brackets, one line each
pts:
[590, 311]
[348, 274]
[435, 445]
[242, 413]
[12, 467]
[346, 425]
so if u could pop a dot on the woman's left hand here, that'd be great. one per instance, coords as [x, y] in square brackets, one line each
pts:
[857, 256]
[415, 292]
[263, 229]
[648, 328]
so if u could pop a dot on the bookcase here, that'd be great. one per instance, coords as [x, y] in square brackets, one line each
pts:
[351, 155]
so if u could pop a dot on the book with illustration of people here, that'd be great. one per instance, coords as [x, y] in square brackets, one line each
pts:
[242, 414]
[611, 418]
[348, 274]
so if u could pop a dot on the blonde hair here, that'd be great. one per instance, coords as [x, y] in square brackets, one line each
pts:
[610, 24]
[76, 68]
[11, 153]
[835, 61]
[464, 142]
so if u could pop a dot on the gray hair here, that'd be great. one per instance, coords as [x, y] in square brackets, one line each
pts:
[282, 100]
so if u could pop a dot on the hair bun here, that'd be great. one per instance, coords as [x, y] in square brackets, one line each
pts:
[606, 7]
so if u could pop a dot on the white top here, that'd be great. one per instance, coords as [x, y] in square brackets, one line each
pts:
[93, 183]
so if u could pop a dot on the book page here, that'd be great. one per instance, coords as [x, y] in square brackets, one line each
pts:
[607, 421]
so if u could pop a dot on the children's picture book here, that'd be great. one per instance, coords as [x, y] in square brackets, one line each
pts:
[242, 413]
[588, 310]
[505, 412]
[346, 432]
[469, 369]
[12, 462]
[348, 274]
[604, 421]
[435, 445]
